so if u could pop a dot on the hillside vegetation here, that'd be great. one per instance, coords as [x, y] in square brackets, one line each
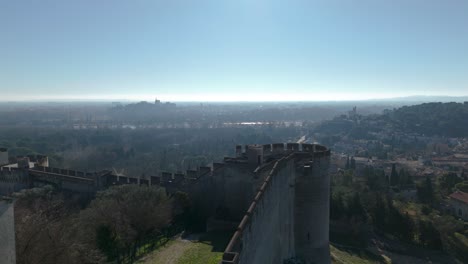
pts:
[443, 119]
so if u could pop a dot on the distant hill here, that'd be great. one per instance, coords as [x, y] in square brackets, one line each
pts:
[444, 119]
[425, 99]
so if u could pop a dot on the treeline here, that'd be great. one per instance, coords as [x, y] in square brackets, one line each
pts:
[118, 225]
[367, 202]
[442, 119]
[141, 151]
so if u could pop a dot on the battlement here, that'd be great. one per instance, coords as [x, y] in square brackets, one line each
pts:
[3, 156]
[232, 251]
[264, 198]
[64, 172]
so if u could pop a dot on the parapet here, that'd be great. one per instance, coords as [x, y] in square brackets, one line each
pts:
[278, 147]
[166, 176]
[267, 148]
[179, 177]
[192, 174]
[254, 154]
[239, 151]
[23, 163]
[204, 170]
[217, 165]
[292, 146]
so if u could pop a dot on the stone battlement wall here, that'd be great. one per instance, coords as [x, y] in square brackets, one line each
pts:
[265, 234]
[7, 231]
[269, 230]
[13, 180]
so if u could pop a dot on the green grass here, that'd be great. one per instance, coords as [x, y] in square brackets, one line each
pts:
[208, 249]
[346, 256]
[200, 253]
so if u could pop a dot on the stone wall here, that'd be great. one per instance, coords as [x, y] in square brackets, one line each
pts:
[312, 203]
[266, 233]
[289, 216]
[7, 232]
[12, 180]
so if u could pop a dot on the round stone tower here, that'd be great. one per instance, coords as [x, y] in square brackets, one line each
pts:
[312, 206]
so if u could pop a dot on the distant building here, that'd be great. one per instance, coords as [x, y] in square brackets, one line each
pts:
[459, 203]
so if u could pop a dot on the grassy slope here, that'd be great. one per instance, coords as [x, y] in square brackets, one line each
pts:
[341, 256]
[206, 250]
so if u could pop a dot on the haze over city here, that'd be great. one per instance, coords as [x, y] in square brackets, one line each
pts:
[232, 50]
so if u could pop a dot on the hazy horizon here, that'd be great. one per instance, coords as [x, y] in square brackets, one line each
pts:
[411, 98]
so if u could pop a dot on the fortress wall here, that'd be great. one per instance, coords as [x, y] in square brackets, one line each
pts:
[7, 232]
[234, 189]
[266, 233]
[202, 193]
[78, 186]
[3, 156]
[312, 211]
[13, 180]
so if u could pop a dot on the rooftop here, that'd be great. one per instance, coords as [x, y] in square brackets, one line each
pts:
[460, 196]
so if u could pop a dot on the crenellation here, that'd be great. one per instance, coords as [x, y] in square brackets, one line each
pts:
[238, 151]
[23, 162]
[192, 174]
[217, 165]
[122, 180]
[155, 180]
[179, 177]
[266, 148]
[132, 180]
[204, 170]
[254, 154]
[278, 147]
[308, 147]
[144, 182]
[166, 176]
[4, 157]
[292, 146]
[278, 208]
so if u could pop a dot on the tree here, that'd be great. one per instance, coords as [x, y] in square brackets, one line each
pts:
[425, 191]
[429, 236]
[120, 217]
[337, 208]
[379, 212]
[348, 177]
[462, 186]
[394, 177]
[355, 207]
[353, 163]
[448, 181]
[47, 231]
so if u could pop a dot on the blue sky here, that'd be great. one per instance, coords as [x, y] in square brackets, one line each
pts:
[232, 50]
